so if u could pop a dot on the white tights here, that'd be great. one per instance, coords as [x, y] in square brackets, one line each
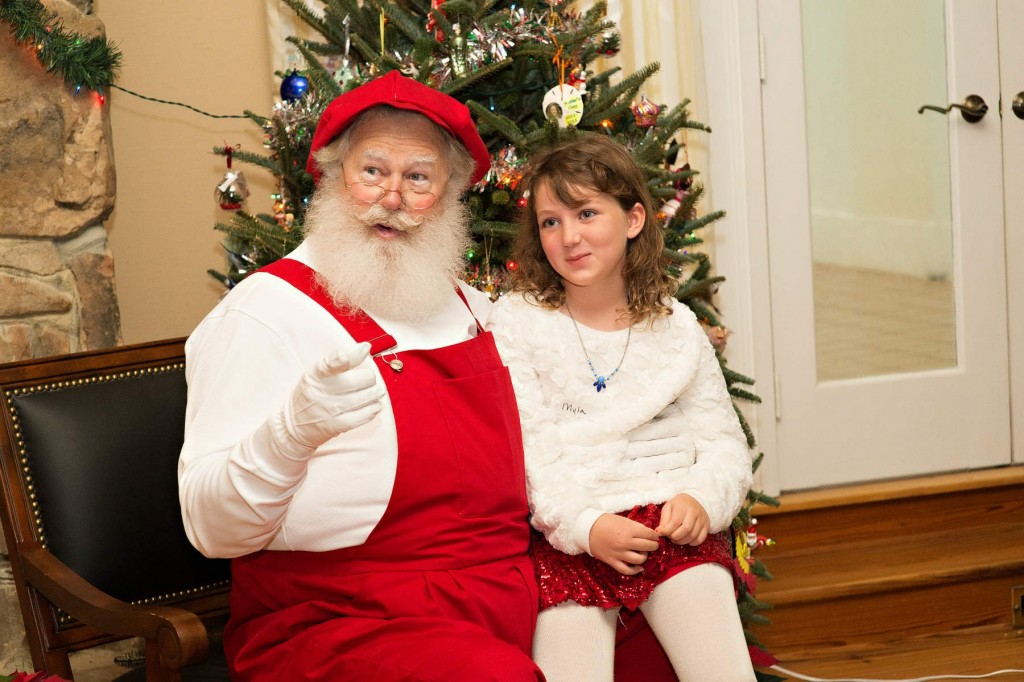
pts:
[693, 614]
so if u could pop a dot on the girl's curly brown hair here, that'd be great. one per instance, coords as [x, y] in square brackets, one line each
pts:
[572, 170]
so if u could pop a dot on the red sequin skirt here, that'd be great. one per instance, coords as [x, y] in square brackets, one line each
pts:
[591, 582]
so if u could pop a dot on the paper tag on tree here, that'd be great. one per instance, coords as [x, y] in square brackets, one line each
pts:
[564, 105]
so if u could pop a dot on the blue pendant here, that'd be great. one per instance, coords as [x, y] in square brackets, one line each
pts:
[600, 384]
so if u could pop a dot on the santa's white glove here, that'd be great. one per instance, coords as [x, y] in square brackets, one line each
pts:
[660, 445]
[336, 396]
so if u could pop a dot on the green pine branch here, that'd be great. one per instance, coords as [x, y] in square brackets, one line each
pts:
[748, 433]
[698, 287]
[614, 100]
[490, 228]
[734, 377]
[475, 76]
[703, 312]
[744, 395]
[264, 161]
[489, 121]
[81, 62]
[314, 20]
[757, 462]
[702, 221]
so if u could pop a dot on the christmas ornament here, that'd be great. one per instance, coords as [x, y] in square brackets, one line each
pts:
[668, 211]
[743, 560]
[407, 65]
[233, 189]
[458, 52]
[754, 540]
[718, 337]
[609, 44]
[645, 112]
[347, 74]
[578, 79]
[505, 171]
[432, 25]
[283, 213]
[684, 184]
[489, 44]
[342, 67]
[294, 86]
[292, 123]
[563, 104]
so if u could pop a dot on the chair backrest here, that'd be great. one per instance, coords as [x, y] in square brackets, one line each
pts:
[88, 461]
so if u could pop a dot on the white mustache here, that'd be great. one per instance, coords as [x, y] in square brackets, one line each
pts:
[398, 220]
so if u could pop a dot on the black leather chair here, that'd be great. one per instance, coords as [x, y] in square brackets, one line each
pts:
[88, 472]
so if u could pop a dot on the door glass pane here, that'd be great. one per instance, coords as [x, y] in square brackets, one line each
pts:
[879, 186]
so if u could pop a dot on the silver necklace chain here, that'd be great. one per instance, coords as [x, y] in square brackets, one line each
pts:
[600, 381]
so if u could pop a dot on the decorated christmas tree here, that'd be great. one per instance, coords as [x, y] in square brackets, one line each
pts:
[526, 71]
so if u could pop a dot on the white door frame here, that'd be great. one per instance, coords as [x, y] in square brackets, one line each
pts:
[733, 71]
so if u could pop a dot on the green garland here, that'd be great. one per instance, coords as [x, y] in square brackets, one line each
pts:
[80, 61]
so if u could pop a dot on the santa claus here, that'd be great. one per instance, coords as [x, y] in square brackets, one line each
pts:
[352, 439]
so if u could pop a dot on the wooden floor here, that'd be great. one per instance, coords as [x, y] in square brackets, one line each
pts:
[898, 580]
[976, 651]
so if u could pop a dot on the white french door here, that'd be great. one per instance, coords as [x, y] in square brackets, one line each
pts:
[888, 263]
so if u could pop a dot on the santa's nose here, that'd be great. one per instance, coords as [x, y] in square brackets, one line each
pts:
[392, 199]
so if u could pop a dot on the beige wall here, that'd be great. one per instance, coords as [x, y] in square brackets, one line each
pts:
[213, 56]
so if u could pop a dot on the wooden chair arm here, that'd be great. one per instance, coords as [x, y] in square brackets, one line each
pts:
[178, 635]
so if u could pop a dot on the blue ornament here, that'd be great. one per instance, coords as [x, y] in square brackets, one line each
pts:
[294, 86]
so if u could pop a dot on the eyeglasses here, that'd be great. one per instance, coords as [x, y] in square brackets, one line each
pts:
[413, 199]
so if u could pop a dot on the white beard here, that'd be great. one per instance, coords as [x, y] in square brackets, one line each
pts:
[407, 277]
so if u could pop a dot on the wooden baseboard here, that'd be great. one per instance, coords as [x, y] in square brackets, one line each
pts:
[903, 488]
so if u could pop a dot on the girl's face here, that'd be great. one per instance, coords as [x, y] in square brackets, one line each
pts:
[586, 245]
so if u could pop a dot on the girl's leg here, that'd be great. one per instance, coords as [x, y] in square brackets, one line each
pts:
[694, 616]
[574, 642]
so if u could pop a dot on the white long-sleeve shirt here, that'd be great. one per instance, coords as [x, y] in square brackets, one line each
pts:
[578, 463]
[242, 362]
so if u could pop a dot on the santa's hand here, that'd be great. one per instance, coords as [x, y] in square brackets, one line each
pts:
[336, 396]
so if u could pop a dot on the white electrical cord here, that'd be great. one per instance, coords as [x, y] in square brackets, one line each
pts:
[798, 676]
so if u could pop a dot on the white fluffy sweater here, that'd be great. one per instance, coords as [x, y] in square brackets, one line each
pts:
[580, 461]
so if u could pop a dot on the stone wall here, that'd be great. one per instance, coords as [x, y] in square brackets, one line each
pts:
[57, 290]
[57, 173]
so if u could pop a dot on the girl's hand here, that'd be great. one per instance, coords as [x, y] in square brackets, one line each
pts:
[684, 521]
[622, 543]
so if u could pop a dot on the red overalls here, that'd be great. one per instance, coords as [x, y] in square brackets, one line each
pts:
[443, 588]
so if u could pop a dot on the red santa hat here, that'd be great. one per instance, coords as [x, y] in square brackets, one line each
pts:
[395, 90]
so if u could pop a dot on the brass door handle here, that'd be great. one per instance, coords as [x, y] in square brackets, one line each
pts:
[973, 109]
[1018, 105]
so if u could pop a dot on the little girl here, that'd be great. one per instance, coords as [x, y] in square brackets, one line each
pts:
[598, 347]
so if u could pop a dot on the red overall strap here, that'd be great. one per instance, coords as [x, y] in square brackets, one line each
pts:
[358, 323]
[479, 328]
